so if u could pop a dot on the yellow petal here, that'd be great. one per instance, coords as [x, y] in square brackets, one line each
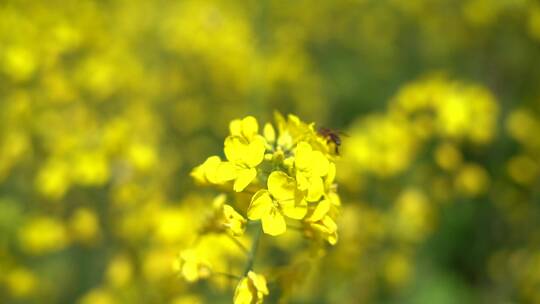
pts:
[234, 148]
[320, 211]
[210, 169]
[242, 294]
[254, 152]
[294, 211]
[190, 272]
[269, 133]
[319, 163]
[285, 140]
[261, 203]
[243, 178]
[331, 175]
[303, 155]
[332, 238]
[334, 198]
[225, 171]
[230, 213]
[235, 127]
[302, 180]
[273, 222]
[201, 172]
[219, 201]
[326, 225]
[330, 224]
[259, 282]
[281, 186]
[250, 127]
[315, 190]
[280, 121]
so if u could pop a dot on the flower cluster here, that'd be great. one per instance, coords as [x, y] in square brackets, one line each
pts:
[288, 172]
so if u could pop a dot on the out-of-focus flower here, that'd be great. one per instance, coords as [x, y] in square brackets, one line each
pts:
[187, 299]
[119, 271]
[84, 226]
[523, 169]
[448, 157]
[19, 63]
[472, 180]
[191, 266]
[211, 254]
[413, 215]
[522, 125]
[98, 296]
[233, 220]
[224, 218]
[53, 179]
[383, 145]
[320, 222]
[42, 235]
[397, 270]
[455, 110]
[251, 290]
[20, 282]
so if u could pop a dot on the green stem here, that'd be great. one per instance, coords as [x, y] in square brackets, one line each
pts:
[253, 251]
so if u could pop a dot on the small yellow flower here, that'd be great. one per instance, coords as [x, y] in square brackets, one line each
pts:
[244, 150]
[269, 133]
[191, 267]
[42, 235]
[20, 282]
[310, 166]
[224, 218]
[321, 223]
[281, 198]
[233, 221]
[243, 158]
[251, 289]
[292, 130]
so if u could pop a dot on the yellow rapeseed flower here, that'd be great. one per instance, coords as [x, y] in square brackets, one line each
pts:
[206, 173]
[224, 218]
[244, 150]
[310, 166]
[191, 267]
[243, 156]
[281, 199]
[233, 221]
[321, 223]
[42, 235]
[251, 289]
[291, 177]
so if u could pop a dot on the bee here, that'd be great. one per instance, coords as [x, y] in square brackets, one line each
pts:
[332, 136]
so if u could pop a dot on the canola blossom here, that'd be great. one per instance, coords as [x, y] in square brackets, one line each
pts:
[288, 176]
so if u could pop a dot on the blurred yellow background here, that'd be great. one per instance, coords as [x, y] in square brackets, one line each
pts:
[106, 106]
